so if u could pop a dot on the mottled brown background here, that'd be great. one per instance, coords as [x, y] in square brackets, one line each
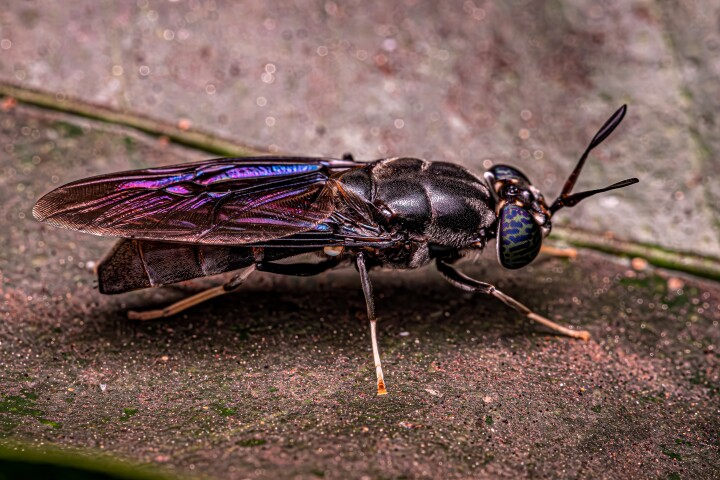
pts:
[276, 381]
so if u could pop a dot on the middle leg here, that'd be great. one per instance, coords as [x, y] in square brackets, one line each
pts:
[201, 297]
[306, 269]
[370, 302]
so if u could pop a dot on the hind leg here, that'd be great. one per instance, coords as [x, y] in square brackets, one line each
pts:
[201, 297]
[296, 269]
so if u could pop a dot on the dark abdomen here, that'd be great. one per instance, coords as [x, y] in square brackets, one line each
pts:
[135, 264]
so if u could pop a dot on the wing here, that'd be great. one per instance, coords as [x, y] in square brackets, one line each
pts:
[227, 201]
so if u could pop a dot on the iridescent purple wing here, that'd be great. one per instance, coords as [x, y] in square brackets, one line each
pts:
[227, 201]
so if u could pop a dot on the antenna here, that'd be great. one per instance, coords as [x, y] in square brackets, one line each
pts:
[567, 200]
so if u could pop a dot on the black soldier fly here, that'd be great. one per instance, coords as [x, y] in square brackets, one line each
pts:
[204, 218]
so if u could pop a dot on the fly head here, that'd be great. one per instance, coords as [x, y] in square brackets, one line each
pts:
[523, 216]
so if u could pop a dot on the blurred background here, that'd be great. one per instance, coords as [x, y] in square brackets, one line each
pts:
[520, 82]
[277, 381]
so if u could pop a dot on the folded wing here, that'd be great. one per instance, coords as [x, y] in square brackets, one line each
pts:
[226, 201]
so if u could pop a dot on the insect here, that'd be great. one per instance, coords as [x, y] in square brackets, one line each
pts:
[246, 214]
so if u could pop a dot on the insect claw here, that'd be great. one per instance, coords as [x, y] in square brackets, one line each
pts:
[583, 335]
[381, 387]
[376, 355]
[579, 334]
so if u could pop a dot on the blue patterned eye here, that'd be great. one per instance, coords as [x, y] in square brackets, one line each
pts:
[518, 238]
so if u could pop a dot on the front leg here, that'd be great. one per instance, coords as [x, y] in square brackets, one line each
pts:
[466, 283]
[370, 303]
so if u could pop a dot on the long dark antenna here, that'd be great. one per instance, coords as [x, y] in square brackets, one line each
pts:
[567, 200]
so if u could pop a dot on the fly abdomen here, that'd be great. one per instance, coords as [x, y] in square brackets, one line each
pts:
[135, 264]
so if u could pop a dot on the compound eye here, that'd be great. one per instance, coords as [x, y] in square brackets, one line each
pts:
[518, 237]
